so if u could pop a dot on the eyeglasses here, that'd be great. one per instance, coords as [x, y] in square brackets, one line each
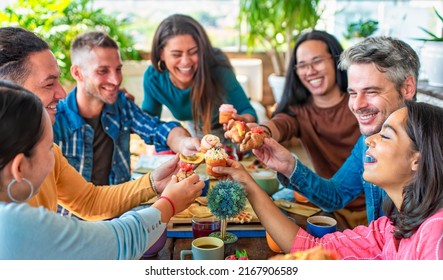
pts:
[317, 63]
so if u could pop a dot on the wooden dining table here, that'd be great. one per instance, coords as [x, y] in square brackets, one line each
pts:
[256, 247]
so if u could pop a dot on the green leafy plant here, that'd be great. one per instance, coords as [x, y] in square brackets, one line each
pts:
[59, 21]
[434, 37]
[275, 25]
[361, 29]
[225, 200]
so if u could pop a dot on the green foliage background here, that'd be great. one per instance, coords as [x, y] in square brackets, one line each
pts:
[59, 21]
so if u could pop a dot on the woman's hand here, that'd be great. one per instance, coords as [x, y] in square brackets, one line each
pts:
[162, 175]
[183, 193]
[247, 118]
[276, 157]
[237, 172]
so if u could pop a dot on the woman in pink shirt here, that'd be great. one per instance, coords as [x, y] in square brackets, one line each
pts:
[405, 159]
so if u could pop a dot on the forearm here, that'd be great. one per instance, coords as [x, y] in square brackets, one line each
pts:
[282, 229]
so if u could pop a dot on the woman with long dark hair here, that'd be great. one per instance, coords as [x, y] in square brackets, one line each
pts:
[405, 159]
[191, 78]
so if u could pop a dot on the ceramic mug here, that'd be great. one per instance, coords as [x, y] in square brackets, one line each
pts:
[318, 226]
[267, 180]
[205, 248]
[204, 178]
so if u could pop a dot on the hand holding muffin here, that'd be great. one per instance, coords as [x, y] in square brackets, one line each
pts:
[236, 131]
[215, 157]
[254, 139]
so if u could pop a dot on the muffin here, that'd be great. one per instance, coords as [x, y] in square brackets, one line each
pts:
[254, 139]
[215, 157]
[225, 113]
[186, 170]
[236, 131]
[209, 141]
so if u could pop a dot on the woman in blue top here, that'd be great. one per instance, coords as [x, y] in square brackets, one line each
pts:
[191, 78]
[26, 159]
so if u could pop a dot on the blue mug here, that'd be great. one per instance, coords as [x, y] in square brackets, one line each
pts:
[318, 226]
[204, 178]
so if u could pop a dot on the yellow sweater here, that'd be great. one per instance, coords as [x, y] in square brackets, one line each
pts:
[65, 186]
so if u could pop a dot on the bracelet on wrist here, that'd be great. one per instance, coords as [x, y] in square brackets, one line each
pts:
[151, 180]
[267, 128]
[170, 202]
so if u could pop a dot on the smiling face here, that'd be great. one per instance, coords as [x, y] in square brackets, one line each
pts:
[319, 78]
[391, 160]
[101, 74]
[43, 80]
[372, 97]
[180, 55]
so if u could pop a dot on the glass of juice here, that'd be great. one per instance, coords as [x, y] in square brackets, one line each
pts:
[203, 226]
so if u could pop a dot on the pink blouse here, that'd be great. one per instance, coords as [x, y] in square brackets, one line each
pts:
[376, 241]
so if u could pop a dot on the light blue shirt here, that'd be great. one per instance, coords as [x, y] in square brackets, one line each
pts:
[346, 184]
[36, 233]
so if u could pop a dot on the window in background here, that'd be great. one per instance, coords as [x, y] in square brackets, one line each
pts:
[217, 16]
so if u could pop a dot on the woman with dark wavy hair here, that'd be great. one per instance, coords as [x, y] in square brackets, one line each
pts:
[314, 108]
[191, 78]
[405, 159]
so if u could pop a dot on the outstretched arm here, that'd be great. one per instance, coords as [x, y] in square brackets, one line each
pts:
[282, 230]
[180, 141]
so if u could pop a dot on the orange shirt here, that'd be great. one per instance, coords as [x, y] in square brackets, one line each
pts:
[65, 186]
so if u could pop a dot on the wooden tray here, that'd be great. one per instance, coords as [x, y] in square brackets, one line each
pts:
[184, 224]
[296, 208]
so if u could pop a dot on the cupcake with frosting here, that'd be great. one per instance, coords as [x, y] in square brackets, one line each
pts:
[209, 141]
[225, 113]
[215, 157]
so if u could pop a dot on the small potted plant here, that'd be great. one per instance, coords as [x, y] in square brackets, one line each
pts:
[432, 55]
[225, 200]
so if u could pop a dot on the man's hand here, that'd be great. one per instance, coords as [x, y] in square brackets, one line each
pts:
[190, 146]
[276, 157]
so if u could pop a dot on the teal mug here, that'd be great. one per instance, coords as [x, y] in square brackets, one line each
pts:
[267, 180]
[205, 248]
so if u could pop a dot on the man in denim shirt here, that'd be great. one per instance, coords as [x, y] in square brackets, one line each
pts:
[382, 73]
[94, 123]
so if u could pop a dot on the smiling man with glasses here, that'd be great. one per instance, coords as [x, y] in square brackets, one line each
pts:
[314, 108]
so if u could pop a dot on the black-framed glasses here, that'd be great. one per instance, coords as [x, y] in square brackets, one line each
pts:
[318, 64]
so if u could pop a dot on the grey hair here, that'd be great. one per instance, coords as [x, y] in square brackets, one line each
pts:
[389, 55]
